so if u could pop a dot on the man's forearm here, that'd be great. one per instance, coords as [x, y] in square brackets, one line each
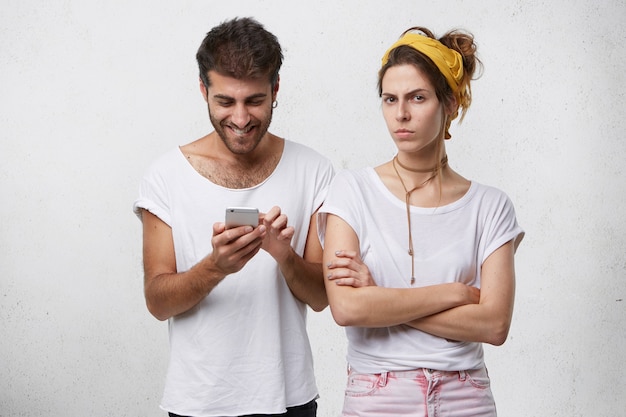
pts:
[305, 280]
[168, 295]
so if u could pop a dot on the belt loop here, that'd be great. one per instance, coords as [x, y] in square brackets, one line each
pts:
[382, 379]
[462, 375]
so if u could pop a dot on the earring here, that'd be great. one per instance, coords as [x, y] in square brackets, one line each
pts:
[275, 104]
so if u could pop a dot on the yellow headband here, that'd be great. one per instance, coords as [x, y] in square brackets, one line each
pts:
[449, 61]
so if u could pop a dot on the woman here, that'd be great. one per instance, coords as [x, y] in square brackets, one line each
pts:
[418, 259]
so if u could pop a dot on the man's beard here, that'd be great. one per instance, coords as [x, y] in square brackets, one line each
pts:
[231, 144]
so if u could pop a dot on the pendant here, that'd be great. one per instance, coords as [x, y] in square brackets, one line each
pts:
[412, 280]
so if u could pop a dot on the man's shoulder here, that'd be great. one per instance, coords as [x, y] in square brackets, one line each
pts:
[168, 157]
[165, 162]
[295, 148]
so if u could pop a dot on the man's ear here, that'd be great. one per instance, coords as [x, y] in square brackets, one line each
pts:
[275, 90]
[203, 90]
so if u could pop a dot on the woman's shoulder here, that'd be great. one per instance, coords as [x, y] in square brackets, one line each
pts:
[355, 175]
[490, 197]
[488, 190]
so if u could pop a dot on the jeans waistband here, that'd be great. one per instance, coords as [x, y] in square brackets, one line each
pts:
[413, 373]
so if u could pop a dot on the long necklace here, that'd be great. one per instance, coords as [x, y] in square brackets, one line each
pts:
[435, 171]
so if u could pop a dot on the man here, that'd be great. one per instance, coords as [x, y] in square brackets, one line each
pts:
[236, 298]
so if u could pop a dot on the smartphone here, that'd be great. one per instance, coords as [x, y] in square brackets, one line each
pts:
[242, 216]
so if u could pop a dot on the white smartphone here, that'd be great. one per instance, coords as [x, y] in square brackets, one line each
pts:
[241, 216]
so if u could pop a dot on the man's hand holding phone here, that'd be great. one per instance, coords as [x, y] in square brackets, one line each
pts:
[237, 240]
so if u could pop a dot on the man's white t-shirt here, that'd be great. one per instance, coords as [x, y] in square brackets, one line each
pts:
[244, 349]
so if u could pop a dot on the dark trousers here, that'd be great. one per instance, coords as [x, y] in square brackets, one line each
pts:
[306, 410]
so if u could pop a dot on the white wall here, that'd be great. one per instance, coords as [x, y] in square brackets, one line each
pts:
[91, 92]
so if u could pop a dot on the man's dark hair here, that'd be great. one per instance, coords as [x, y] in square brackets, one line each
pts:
[240, 48]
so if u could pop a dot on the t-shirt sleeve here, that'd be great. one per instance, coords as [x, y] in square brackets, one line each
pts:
[153, 195]
[501, 225]
[325, 176]
[342, 201]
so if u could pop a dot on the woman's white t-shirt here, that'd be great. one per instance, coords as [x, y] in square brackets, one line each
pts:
[450, 243]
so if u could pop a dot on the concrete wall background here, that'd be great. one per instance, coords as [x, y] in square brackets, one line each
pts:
[91, 92]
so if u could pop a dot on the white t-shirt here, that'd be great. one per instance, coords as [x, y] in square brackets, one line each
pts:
[450, 243]
[244, 349]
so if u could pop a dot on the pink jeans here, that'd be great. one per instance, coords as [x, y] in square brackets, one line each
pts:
[419, 393]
